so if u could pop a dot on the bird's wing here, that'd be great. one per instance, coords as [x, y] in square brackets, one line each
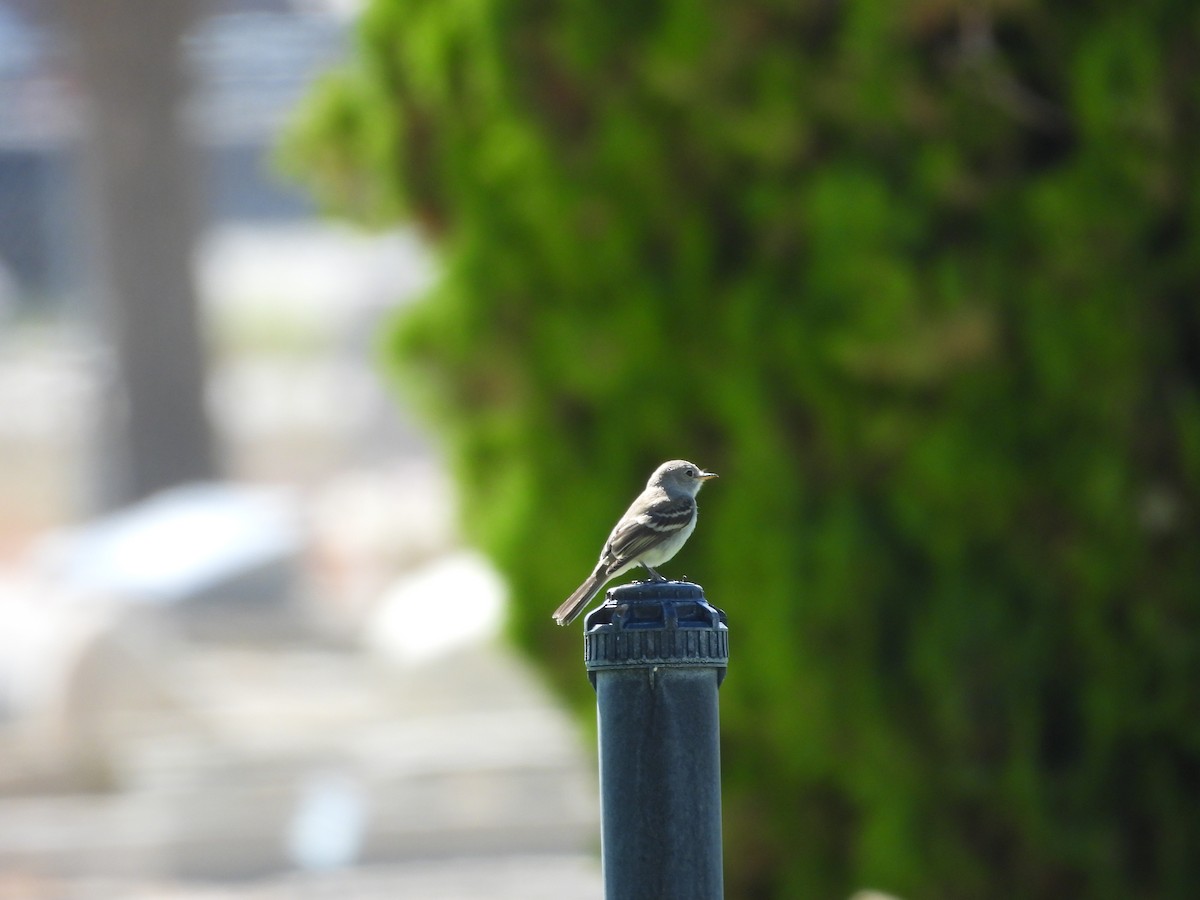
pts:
[633, 537]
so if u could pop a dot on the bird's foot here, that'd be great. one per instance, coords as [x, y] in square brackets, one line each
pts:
[654, 576]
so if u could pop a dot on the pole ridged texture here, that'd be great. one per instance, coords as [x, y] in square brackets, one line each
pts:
[659, 624]
[693, 647]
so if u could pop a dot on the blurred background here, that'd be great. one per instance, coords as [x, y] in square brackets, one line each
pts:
[243, 651]
[919, 280]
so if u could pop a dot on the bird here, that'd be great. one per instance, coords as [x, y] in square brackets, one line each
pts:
[653, 529]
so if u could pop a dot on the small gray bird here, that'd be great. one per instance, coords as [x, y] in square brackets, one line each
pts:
[653, 529]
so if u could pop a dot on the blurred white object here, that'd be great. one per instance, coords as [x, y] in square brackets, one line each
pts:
[457, 600]
[69, 675]
[222, 559]
[327, 829]
[179, 542]
[38, 636]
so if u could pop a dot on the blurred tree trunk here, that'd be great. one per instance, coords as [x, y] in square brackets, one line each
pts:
[142, 225]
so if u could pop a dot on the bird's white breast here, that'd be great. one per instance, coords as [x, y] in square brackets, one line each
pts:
[658, 555]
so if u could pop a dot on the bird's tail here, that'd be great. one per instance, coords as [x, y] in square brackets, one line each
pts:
[574, 605]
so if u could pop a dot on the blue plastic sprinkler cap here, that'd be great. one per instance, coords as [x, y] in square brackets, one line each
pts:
[653, 624]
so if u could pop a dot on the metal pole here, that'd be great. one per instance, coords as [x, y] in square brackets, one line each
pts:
[656, 653]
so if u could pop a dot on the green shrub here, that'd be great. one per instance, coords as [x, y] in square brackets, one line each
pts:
[920, 281]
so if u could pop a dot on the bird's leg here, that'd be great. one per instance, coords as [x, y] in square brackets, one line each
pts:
[654, 575]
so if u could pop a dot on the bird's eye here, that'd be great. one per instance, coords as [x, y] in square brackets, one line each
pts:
[690, 472]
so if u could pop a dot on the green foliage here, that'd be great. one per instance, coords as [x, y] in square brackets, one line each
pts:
[920, 281]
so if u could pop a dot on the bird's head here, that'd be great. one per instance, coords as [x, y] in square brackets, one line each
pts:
[680, 475]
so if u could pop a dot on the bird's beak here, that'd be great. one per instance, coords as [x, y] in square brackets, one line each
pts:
[707, 476]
